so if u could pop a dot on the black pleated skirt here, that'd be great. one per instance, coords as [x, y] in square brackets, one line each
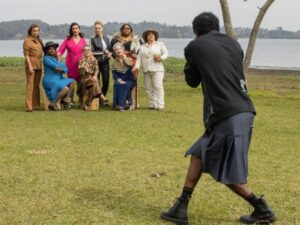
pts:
[224, 147]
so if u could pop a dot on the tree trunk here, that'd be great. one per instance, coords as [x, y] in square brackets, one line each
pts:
[227, 19]
[255, 29]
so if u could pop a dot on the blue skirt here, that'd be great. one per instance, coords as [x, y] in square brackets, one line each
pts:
[223, 149]
[54, 86]
[122, 93]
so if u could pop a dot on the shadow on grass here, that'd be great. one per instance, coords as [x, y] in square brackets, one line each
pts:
[217, 220]
[13, 108]
[131, 203]
[119, 203]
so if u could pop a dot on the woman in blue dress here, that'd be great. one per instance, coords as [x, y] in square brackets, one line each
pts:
[124, 79]
[57, 87]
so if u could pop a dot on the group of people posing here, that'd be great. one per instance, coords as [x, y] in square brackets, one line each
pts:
[88, 64]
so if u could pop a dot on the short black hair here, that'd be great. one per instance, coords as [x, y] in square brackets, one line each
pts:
[205, 22]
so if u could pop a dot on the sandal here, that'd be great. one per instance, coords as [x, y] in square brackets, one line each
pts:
[85, 108]
[65, 104]
[104, 102]
[52, 107]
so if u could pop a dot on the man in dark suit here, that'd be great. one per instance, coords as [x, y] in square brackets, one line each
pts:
[100, 49]
[216, 61]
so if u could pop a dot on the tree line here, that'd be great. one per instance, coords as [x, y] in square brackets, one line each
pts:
[16, 30]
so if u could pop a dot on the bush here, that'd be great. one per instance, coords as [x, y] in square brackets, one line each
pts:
[174, 65]
[11, 61]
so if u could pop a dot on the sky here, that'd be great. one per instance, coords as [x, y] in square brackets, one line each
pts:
[283, 13]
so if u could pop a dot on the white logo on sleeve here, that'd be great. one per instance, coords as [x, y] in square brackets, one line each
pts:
[243, 86]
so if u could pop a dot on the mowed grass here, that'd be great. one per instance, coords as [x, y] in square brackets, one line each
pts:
[76, 167]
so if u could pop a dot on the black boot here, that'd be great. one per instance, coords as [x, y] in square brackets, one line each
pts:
[178, 212]
[262, 213]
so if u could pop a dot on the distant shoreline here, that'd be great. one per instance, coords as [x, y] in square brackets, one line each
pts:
[8, 61]
[16, 30]
[275, 71]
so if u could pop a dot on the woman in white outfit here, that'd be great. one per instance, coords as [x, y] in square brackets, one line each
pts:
[150, 58]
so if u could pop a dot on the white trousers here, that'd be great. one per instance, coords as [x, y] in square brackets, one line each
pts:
[153, 83]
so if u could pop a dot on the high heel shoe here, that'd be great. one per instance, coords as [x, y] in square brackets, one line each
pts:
[104, 102]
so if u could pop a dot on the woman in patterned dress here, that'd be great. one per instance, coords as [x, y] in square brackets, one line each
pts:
[88, 86]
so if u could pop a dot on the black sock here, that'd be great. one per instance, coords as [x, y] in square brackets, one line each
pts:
[251, 199]
[187, 193]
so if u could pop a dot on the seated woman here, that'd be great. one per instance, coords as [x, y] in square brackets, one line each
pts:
[56, 86]
[88, 87]
[124, 78]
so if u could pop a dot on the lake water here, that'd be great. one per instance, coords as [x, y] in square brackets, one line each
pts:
[268, 53]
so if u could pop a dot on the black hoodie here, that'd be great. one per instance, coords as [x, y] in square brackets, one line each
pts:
[216, 61]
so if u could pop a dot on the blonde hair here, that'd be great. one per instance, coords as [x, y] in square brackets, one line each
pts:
[98, 22]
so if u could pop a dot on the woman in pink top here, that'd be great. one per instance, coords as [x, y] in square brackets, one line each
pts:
[74, 44]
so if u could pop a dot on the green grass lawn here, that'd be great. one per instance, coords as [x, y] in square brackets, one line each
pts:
[76, 167]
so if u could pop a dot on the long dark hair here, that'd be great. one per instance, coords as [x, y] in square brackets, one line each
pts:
[126, 24]
[71, 32]
[30, 30]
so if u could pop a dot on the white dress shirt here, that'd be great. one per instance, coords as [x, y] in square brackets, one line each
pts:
[103, 44]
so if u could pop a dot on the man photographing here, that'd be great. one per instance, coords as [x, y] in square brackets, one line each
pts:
[216, 61]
